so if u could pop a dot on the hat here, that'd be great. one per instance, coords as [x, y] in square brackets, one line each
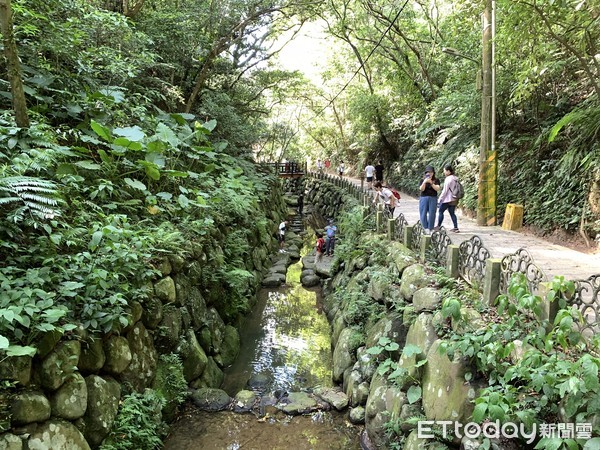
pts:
[429, 169]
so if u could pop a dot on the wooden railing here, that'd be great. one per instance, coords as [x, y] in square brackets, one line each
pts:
[287, 169]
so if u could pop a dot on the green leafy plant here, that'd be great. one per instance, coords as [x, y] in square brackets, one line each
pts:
[138, 423]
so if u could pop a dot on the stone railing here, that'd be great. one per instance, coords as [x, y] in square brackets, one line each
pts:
[472, 262]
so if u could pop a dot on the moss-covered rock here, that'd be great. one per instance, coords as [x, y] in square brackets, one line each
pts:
[413, 279]
[104, 395]
[60, 364]
[144, 359]
[446, 393]
[29, 407]
[57, 435]
[193, 356]
[421, 334]
[118, 354]
[344, 355]
[165, 290]
[70, 400]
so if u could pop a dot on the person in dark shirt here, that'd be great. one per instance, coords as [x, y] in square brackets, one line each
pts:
[300, 203]
[429, 188]
[379, 171]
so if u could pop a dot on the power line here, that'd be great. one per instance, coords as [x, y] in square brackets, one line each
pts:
[360, 66]
[366, 59]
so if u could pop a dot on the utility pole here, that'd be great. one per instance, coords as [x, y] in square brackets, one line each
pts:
[488, 168]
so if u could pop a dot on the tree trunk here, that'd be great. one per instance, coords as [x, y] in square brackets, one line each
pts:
[14, 68]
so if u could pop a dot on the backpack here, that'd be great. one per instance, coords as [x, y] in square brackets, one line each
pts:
[396, 194]
[320, 245]
[459, 191]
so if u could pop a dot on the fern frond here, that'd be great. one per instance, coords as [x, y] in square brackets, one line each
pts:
[34, 196]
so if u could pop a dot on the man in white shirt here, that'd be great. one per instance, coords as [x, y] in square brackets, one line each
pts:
[369, 172]
[281, 236]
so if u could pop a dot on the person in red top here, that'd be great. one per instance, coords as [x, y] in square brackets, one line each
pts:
[320, 247]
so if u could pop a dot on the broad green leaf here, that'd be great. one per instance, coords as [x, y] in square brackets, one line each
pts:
[96, 238]
[124, 142]
[132, 133]
[156, 146]
[496, 412]
[20, 350]
[156, 158]
[413, 394]
[479, 412]
[411, 350]
[210, 125]
[101, 130]
[4, 343]
[183, 201]
[136, 184]
[592, 444]
[88, 165]
[152, 172]
[164, 133]
[65, 169]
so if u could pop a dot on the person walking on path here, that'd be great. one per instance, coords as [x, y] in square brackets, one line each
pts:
[281, 235]
[429, 188]
[448, 200]
[387, 197]
[341, 169]
[319, 166]
[300, 203]
[320, 248]
[379, 171]
[330, 230]
[369, 171]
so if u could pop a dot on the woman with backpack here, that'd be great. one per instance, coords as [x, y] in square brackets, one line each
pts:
[386, 195]
[449, 197]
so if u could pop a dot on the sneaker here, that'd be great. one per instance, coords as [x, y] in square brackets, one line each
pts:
[436, 228]
[455, 230]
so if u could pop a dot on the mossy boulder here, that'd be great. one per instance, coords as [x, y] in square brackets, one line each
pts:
[29, 407]
[70, 400]
[57, 435]
[344, 353]
[60, 364]
[446, 393]
[193, 356]
[165, 290]
[104, 395]
[414, 278]
[118, 354]
[144, 358]
[421, 334]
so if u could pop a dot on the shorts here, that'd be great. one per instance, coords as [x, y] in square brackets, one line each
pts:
[281, 237]
[369, 179]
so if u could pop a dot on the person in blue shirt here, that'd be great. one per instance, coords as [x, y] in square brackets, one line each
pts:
[330, 230]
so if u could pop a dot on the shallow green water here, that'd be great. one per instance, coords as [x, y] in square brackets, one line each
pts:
[287, 338]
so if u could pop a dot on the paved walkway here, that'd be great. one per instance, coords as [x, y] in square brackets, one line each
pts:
[553, 259]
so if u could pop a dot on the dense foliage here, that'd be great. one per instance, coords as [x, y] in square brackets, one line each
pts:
[108, 177]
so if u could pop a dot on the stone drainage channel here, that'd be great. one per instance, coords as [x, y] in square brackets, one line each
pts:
[285, 360]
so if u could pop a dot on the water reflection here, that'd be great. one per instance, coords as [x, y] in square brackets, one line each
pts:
[286, 338]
